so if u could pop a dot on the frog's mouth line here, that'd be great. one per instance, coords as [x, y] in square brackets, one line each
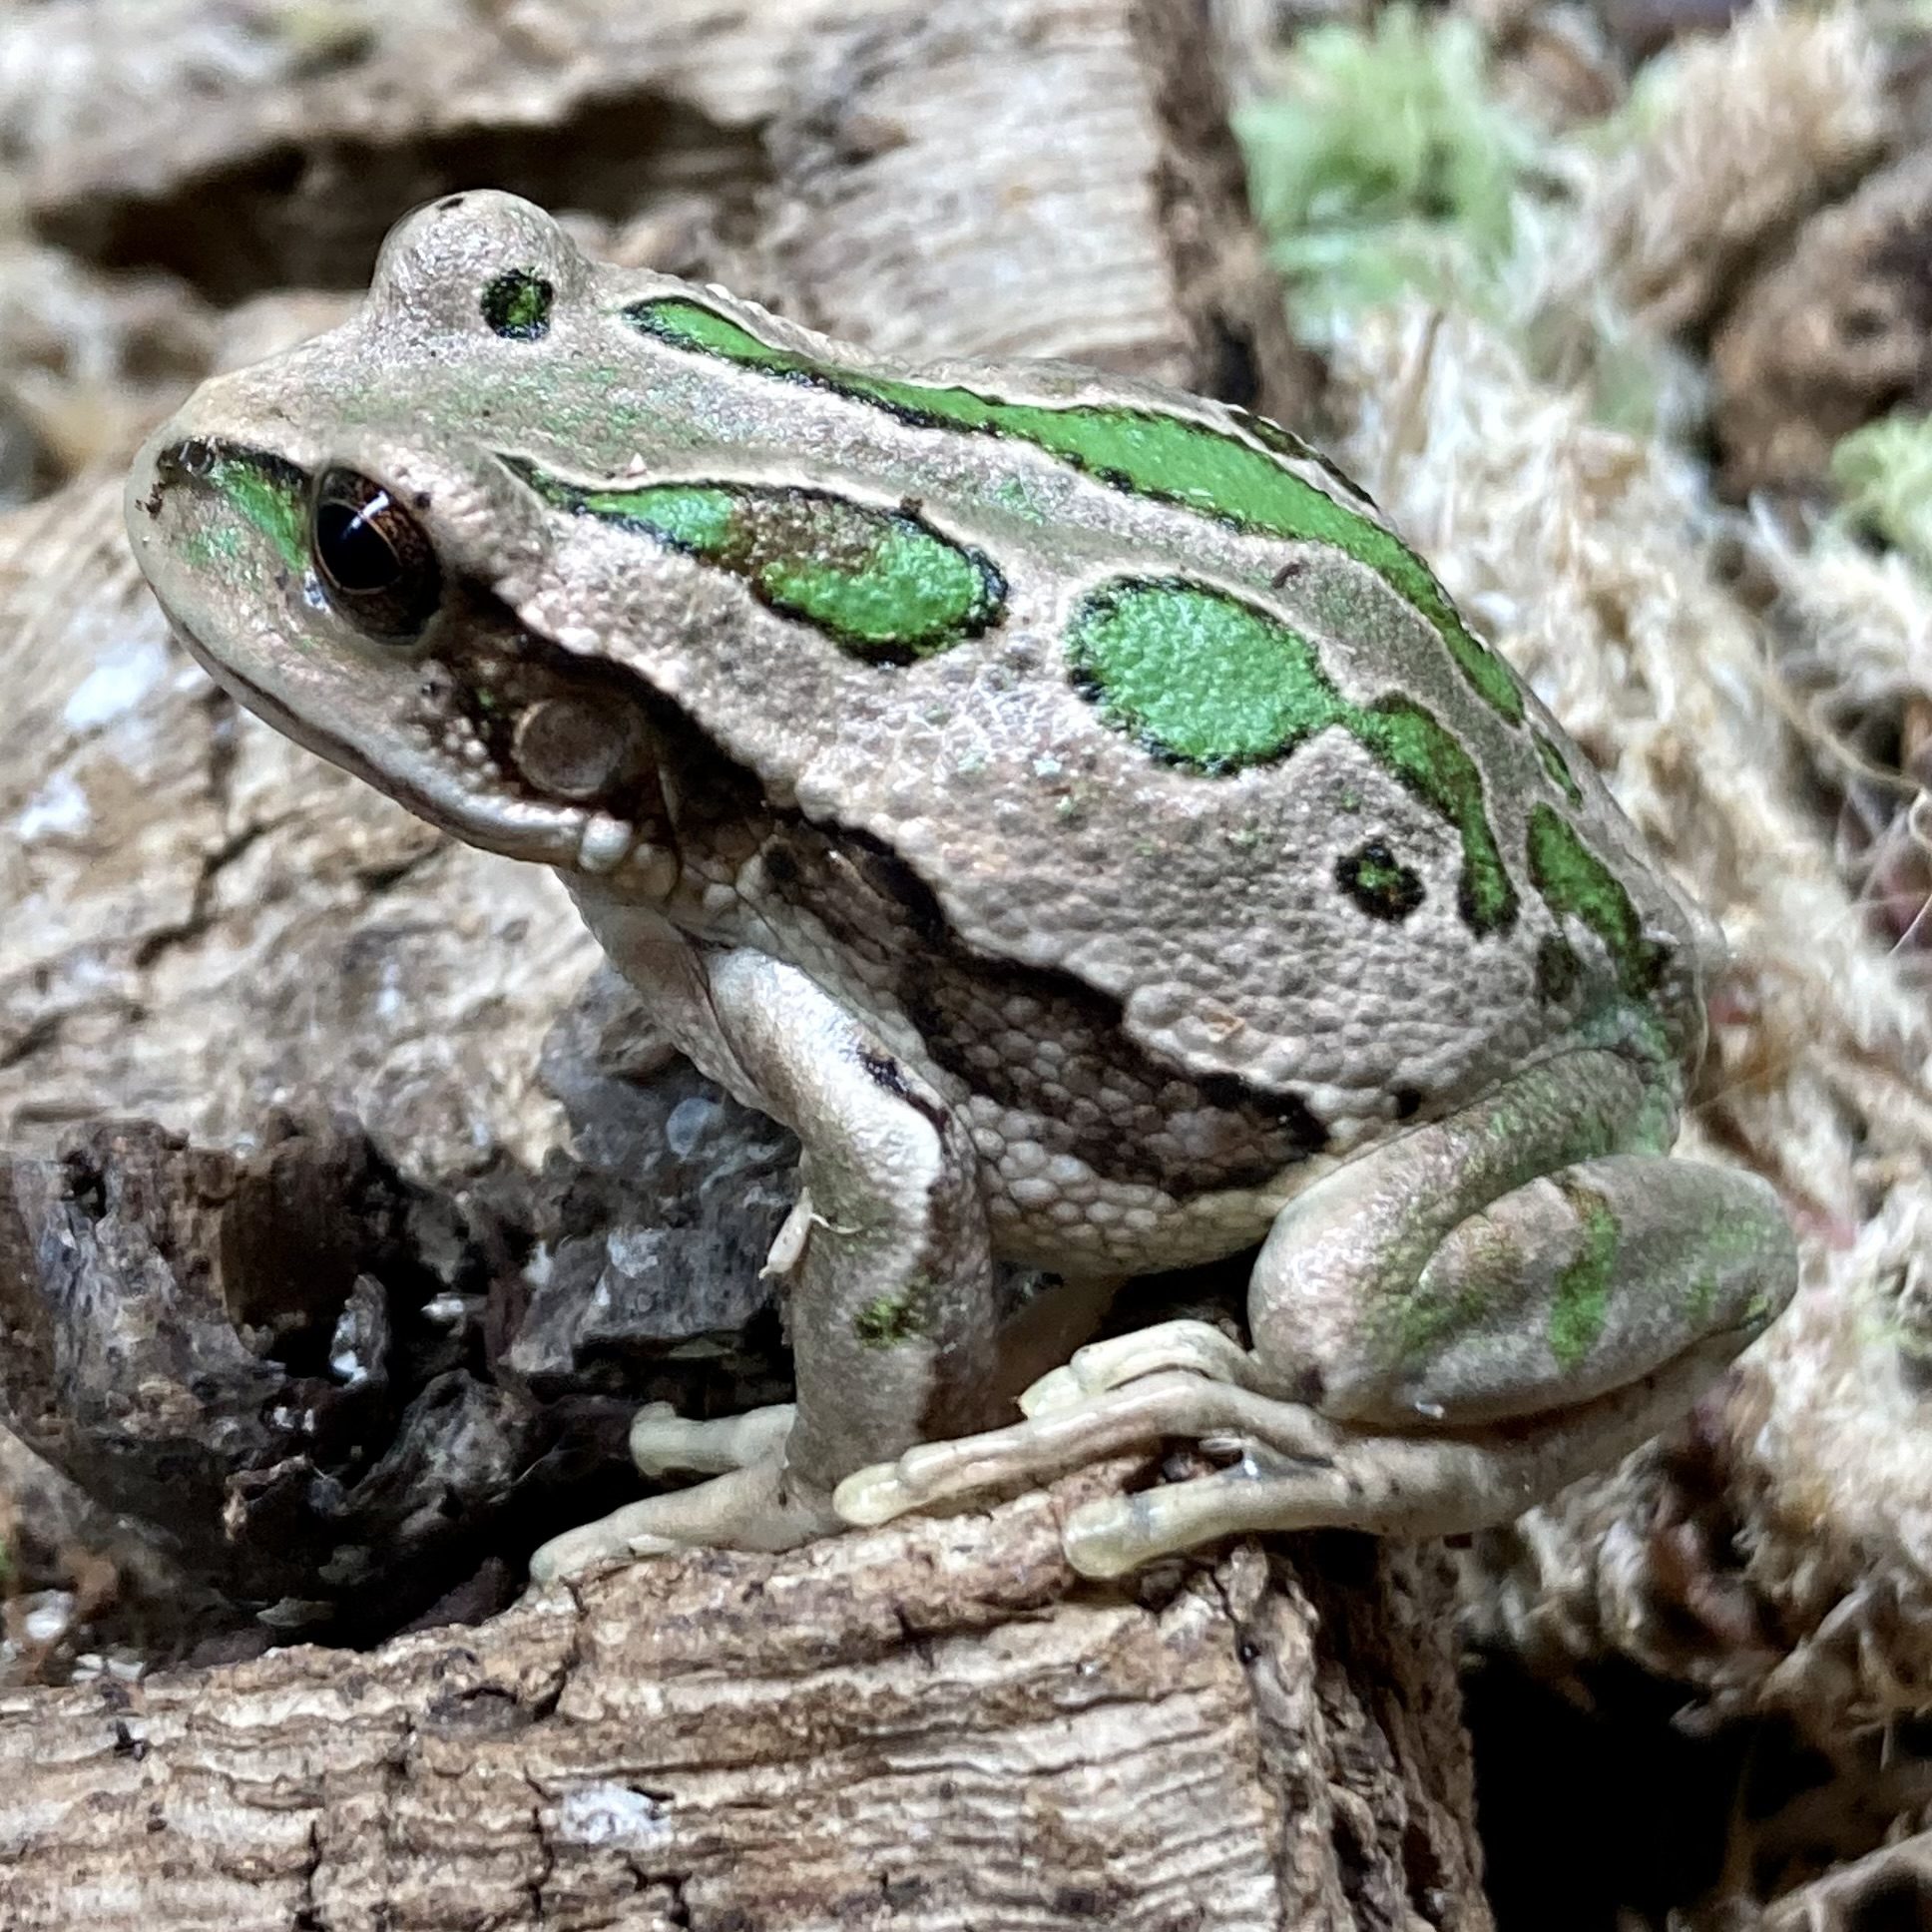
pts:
[547, 834]
[245, 691]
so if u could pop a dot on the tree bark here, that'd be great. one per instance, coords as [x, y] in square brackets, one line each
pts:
[928, 1727]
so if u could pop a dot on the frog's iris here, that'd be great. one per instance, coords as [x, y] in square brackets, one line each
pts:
[375, 560]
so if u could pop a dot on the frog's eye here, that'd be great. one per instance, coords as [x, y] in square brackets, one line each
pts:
[375, 560]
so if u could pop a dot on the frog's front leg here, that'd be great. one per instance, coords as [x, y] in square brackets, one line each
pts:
[1446, 1330]
[888, 1263]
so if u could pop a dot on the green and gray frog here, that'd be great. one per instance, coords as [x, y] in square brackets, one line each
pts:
[1068, 805]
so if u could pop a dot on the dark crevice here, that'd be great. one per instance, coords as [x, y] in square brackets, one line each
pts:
[200, 915]
[285, 214]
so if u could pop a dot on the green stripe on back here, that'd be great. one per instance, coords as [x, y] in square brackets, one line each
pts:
[1574, 882]
[1208, 680]
[1136, 449]
[883, 585]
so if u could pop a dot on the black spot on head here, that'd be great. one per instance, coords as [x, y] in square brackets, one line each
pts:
[1379, 882]
[516, 305]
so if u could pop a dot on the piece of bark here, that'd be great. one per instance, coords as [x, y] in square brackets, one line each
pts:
[1032, 178]
[1887, 1888]
[327, 1393]
[924, 1727]
[314, 127]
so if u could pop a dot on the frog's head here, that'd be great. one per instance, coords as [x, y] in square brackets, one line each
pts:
[351, 567]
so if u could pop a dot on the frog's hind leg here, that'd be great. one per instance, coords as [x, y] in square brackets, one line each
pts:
[1446, 1330]
[887, 1262]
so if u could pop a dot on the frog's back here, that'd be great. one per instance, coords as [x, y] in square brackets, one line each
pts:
[1149, 698]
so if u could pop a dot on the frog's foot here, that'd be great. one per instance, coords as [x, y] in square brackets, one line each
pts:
[760, 1506]
[1295, 1470]
[1066, 1430]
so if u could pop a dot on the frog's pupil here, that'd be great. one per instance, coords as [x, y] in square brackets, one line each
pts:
[375, 561]
[359, 557]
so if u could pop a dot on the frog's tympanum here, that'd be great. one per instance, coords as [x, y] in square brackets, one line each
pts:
[1070, 806]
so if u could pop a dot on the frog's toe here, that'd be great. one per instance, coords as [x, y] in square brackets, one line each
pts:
[1196, 1346]
[663, 1443]
[1162, 1402]
[758, 1507]
[1045, 1445]
[1256, 1495]
[612, 1539]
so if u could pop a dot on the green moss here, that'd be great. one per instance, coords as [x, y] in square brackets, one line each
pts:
[1884, 472]
[1387, 162]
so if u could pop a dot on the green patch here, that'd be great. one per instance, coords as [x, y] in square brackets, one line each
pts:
[1205, 680]
[1581, 1305]
[1142, 450]
[1700, 1299]
[1574, 881]
[265, 490]
[1416, 1327]
[1558, 767]
[1379, 882]
[1884, 475]
[884, 586]
[891, 1319]
[516, 305]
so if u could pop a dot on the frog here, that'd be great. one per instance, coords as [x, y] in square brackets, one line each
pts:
[1070, 806]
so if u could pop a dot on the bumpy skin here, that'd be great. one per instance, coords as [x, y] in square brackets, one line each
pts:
[1062, 800]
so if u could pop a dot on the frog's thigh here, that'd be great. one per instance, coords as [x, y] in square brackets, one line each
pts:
[1571, 1285]
[1549, 1334]
[888, 1269]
